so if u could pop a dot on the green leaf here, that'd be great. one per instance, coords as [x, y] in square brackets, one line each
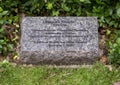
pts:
[118, 12]
[111, 23]
[65, 7]
[119, 51]
[4, 12]
[108, 32]
[116, 25]
[1, 9]
[115, 45]
[28, 3]
[49, 5]
[95, 9]
[87, 1]
[5, 61]
[107, 20]
[55, 13]
[118, 33]
[4, 50]
[1, 41]
[82, 0]
[78, 13]
[118, 40]
[10, 46]
[110, 43]
[108, 12]
[1, 29]
[1, 21]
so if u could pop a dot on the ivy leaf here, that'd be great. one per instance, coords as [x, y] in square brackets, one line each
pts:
[49, 5]
[28, 3]
[111, 23]
[118, 33]
[110, 44]
[4, 50]
[108, 32]
[87, 1]
[116, 25]
[1, 9]
[115, 45]
[4, 12]
[82, 0]
[118, 12]
[1, 21]
[55, 13]
[119, 51]
[65, 7]
[1, 30]
[10, 46]
[107, 20]
[118, 40]
[78, 13]
[5, 62]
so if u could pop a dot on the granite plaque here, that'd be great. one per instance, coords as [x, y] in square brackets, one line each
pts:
[59, 40]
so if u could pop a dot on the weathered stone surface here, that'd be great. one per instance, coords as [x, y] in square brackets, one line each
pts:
[59, 40]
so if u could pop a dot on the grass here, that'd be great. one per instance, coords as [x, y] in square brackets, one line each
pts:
[44, 75]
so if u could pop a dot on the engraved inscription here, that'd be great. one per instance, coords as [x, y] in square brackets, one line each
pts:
[67, 37]
[59, 34]
[69, 34]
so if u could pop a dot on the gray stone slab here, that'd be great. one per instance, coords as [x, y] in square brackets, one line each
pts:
[59, 40]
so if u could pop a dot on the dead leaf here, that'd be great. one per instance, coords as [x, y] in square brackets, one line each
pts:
[104, 59]
[110, 67]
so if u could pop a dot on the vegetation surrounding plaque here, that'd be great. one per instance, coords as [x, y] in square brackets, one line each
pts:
[11, 12]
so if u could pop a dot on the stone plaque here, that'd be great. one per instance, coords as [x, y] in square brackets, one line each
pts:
[59, 40]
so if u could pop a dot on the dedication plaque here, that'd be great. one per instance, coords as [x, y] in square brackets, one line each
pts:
[59, 40]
